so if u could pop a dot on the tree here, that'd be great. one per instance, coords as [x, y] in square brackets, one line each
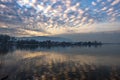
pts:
[4, 39]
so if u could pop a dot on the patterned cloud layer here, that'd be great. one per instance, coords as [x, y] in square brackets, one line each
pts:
[48, 14]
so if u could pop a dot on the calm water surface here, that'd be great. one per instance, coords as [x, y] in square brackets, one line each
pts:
[61, 63]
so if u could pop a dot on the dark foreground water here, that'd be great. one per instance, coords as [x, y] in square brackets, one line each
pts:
[61, 63]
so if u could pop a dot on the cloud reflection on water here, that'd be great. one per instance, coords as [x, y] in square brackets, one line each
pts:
[58, 63]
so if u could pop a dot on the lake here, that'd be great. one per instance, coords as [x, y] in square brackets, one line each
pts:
[60, 63]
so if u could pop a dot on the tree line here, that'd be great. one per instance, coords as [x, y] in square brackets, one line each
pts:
[7, 40]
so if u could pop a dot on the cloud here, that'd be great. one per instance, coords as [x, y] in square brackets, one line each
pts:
[99, 1]
[93, 3]
[21, 32]
[109, 0]
[103, 27]
[104, 8]
[50, 16]
[28, 11]
[115, 2]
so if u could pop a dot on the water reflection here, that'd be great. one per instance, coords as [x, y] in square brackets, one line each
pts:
[4, 49]
[70, 63]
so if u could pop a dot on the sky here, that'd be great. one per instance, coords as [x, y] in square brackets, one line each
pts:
[57, 17]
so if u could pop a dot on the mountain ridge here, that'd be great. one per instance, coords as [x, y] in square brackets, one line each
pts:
[44, 38]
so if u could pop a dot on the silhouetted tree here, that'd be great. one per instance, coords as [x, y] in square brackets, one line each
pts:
[4, 39]
[7, 40]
